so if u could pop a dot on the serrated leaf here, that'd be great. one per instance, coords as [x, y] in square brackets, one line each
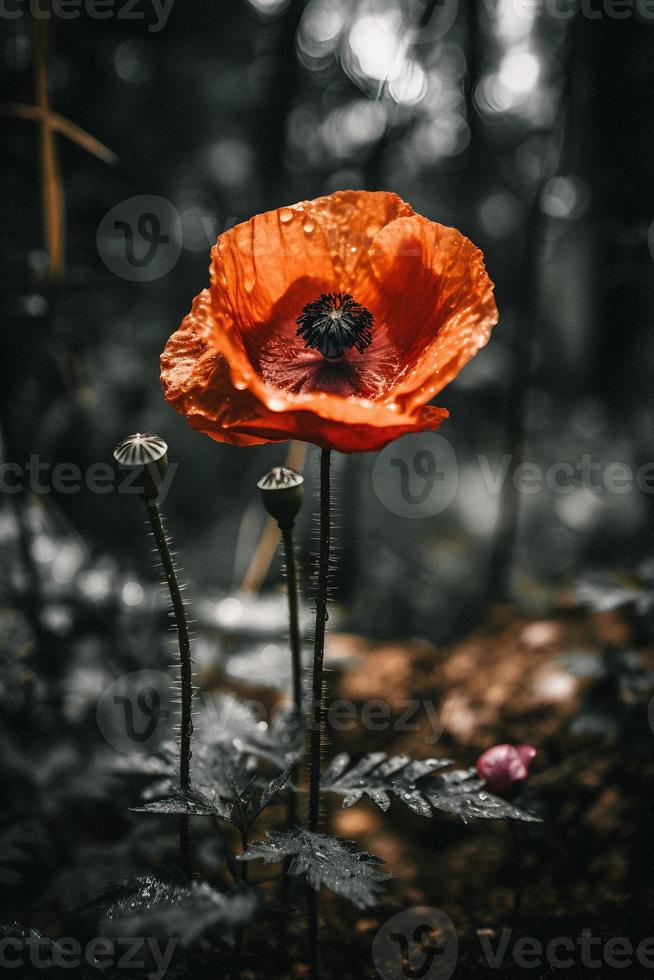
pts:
[215, 770]
[324, 860]
[462, 793]
[185, 912]
[274, 787]
[239, 803]
[229, 722]
[247, 807]
[378, 777]
[228, 737]
[194, 802]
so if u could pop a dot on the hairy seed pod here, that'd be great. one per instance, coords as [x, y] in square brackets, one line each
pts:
[145, 452]
[282, 493]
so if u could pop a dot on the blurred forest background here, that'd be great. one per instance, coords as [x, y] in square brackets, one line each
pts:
[528, 126]
[524, 124]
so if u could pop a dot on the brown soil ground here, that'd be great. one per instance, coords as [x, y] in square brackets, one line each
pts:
[587, 867]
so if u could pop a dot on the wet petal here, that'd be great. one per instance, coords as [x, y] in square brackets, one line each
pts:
[344, 437]
[326, 241]
[436, 300]
[208, 337]
[198, 381]
[239, 372]
[196, 378]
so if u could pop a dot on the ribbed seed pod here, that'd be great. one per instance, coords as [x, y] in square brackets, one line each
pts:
[282, 493]
[148, 453]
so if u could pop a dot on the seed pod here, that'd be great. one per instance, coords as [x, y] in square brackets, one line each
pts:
[147, 453]
[282, 492]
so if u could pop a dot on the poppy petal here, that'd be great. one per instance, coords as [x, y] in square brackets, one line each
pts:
[198, 382]
[196, 378]
[437, 301]
[325, 240]
[340, 436]
[186, 372]
[238, 371]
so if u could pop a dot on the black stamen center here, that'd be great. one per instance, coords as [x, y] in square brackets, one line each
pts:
[333, 323]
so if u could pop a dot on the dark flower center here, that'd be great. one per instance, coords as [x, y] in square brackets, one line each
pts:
[333, 323]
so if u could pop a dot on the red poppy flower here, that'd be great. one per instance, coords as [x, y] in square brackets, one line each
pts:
[333, 321]
[503, 765]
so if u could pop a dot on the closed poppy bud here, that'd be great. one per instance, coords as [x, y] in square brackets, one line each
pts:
[147, 453]
[282, 492]
[504, 765]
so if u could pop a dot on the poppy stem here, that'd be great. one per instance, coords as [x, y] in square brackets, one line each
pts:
[186, 672]
[296, 681]
[293, 618]
[317, 700]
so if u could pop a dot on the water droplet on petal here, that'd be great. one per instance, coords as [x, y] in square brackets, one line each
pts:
[285, 215]
[249, 283]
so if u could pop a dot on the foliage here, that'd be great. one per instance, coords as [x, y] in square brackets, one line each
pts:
[226, 721]
[330, 861]
[151, 907]
[240, 805]
[462, 793]
[378, 777]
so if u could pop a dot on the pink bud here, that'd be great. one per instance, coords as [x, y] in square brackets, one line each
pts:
[503, 765]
